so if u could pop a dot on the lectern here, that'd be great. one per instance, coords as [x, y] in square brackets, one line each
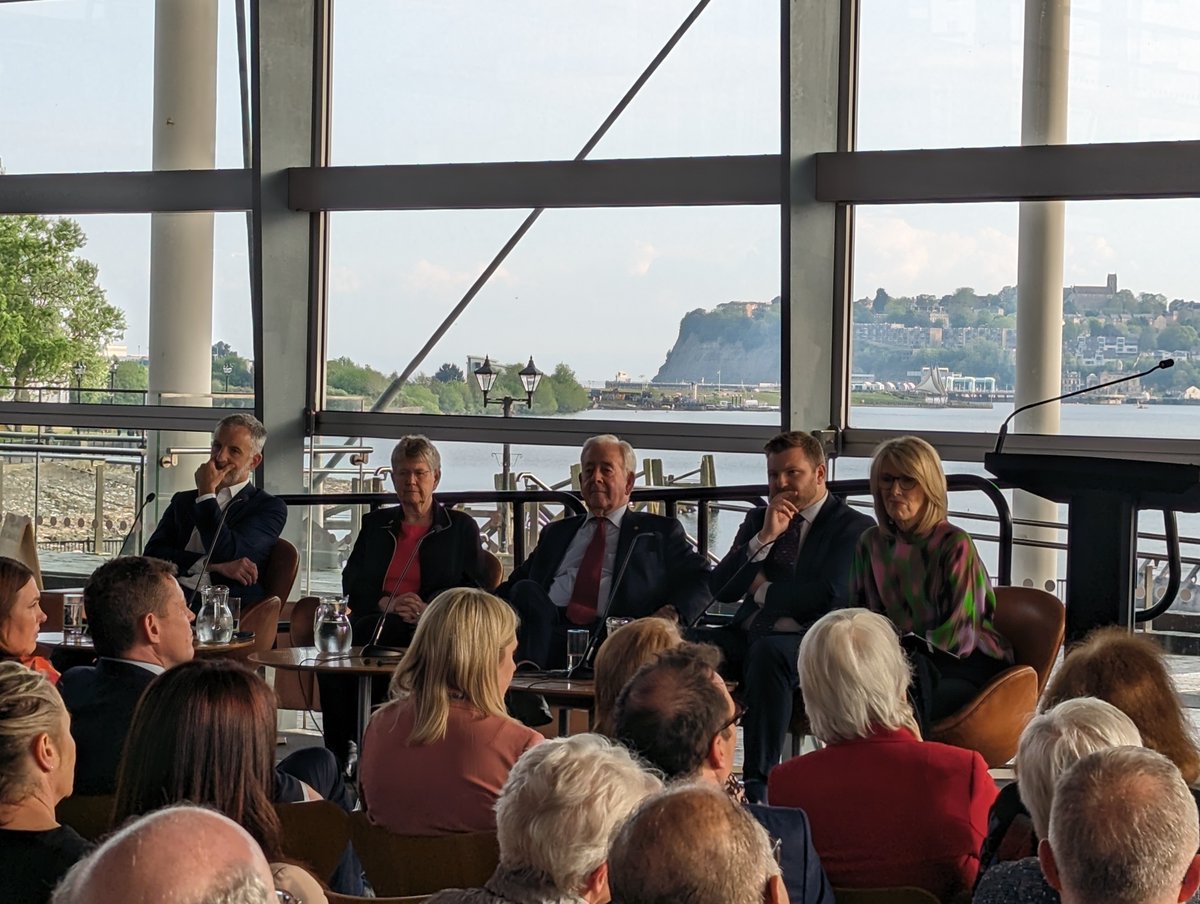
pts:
[1103, 497]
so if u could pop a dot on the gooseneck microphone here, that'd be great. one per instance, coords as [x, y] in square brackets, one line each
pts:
[1161, 365]
[374, 649]
[211, 549]
[137, 520]
[585, 664]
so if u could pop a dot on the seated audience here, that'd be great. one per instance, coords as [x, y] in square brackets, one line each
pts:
[1050, 744]
[184, 855]
[560, 808]
[886, 808]
[204, 732]
[435, 758]
[692, 843]
[677, 714]
[925, 575]
[37, 767]
[621, 656]
[21, 617]
[1123, 829]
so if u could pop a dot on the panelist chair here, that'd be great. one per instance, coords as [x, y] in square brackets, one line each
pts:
[298, 690]
[493, 570]
[279, 574]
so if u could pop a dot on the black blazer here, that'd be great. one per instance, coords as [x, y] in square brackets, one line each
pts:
[820, 580]
[255, 521]
[663, 568]
[101, 700]
[450, 556]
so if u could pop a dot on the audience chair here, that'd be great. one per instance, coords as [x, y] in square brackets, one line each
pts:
[334, 898]
[422, 865]
[1033, 621]
[263, 620]
[493, 568]
[315, 833]
[298, 690]
[883, 896]
[89, 815]
[279, 574]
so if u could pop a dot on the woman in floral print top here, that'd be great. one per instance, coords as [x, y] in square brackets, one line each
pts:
[925, 575]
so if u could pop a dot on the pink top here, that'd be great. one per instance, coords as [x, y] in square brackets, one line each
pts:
[441, 788]
[406, 545]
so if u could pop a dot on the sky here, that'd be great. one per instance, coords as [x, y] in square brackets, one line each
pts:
[419, 81]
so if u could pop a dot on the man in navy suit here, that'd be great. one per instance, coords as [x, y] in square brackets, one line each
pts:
[254, 519]
[790, 564]
[612, 561]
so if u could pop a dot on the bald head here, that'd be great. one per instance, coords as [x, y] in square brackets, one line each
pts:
[184, 855]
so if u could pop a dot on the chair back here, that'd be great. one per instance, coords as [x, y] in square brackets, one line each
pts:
[89, 815]
[315, 834]
[263, 620]
[279, 574]
[493, 570]
[1034, 622]
[301, 631]
[419, 864]
[298, 690]
[903, 895]
[334, 898]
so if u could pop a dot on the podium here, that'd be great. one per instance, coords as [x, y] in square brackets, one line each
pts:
[1103, 497]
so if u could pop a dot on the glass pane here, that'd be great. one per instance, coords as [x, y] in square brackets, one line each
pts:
[596, 297]
[78, 79]
[77, 290]
[532, 80]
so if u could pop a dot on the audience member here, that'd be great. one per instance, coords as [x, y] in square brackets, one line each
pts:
[789, 565]
[677, 714]
[1123, 829]
[204, 732]
[692, 843]
[925, 575]
[560, 808]
[622, 654]
[21, 617]
[435, 758]
[612, 561]
[192, 525]
[181, 855]
[37, 766]
[1050, 744]
[886, 809]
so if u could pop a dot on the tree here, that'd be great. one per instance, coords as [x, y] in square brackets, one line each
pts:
[53, 313]
[449, 373]
[222, 350]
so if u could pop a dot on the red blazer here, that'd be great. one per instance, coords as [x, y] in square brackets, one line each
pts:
[889, 810]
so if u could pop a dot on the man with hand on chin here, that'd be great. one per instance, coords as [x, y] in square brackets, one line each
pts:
[253, 521]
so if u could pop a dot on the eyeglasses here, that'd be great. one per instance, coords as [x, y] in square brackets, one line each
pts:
[286, 897]
[419, 474]
[739, 711]
[887, 481]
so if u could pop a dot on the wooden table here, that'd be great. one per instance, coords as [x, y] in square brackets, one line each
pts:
[83, 651]
[558, 691]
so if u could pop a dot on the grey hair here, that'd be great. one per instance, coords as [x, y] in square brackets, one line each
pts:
[416, 446]
[854, 677]
[609, 439]
[1123, 827]
[258, 433]
[29, 707]
[1055, 740]
[563, 802]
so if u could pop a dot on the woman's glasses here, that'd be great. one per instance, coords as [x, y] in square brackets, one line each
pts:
[887, 481]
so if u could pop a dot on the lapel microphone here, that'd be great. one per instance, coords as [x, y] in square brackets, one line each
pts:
[374, 649]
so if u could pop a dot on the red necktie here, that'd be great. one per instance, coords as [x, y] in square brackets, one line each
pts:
[581, 610]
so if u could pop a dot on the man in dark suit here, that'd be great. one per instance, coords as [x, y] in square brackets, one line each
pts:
[790, 564]
[254, 519]
[610, 562]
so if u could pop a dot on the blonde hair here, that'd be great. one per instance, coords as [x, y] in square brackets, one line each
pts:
[455, 652]
[621, 656]
[912, 457]
[29, 707]
[854, 676]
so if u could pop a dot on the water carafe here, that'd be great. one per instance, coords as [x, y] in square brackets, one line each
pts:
[331, 625]
[214, 624]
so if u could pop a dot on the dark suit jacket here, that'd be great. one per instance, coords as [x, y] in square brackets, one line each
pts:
[101, 700]
[451, 557]
[820, 580]
[802, 873]
[254, 523]
[663, 568]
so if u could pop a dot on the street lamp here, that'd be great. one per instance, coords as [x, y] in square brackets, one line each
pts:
[112, 374]
[227, 369]
[80, 368]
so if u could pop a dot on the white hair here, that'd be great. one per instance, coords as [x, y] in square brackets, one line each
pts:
[1055, 740]
[1123, 827]
[854, 677]
[416, 446]
[562, 804]
[608, 439]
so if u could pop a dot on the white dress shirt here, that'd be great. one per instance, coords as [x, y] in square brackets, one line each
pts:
[568, 570]
[759, 552]
[224, 496]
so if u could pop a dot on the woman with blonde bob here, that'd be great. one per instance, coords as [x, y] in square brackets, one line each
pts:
[435, 758]
[886, 808]
[621, 656]
[925, 575]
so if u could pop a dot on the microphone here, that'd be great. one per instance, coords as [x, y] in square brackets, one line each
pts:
[374, 649]
[137, 518]
[1161, 365]
[212, 548]
[585, 664]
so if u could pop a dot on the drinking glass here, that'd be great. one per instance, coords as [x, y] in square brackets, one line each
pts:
[331, 625]
[615, 623]
[235, 612]
[73, 617]
[577, 644]
[214, 624]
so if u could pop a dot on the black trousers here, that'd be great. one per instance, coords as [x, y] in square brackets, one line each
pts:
[542, 636]
[944, 684]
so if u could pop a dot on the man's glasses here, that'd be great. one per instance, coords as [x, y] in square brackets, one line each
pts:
[887, 481]
[739, 711]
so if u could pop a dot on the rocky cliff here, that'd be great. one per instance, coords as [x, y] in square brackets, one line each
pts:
[736, 342]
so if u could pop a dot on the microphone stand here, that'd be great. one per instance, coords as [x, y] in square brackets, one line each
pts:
[150, 497]
[374, 649]
[585, 669]
[212, 548]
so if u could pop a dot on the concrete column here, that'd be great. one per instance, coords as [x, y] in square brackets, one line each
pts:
[181, 244]
[1040, 270]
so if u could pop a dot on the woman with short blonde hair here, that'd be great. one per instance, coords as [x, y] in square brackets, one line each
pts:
[436, 756]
